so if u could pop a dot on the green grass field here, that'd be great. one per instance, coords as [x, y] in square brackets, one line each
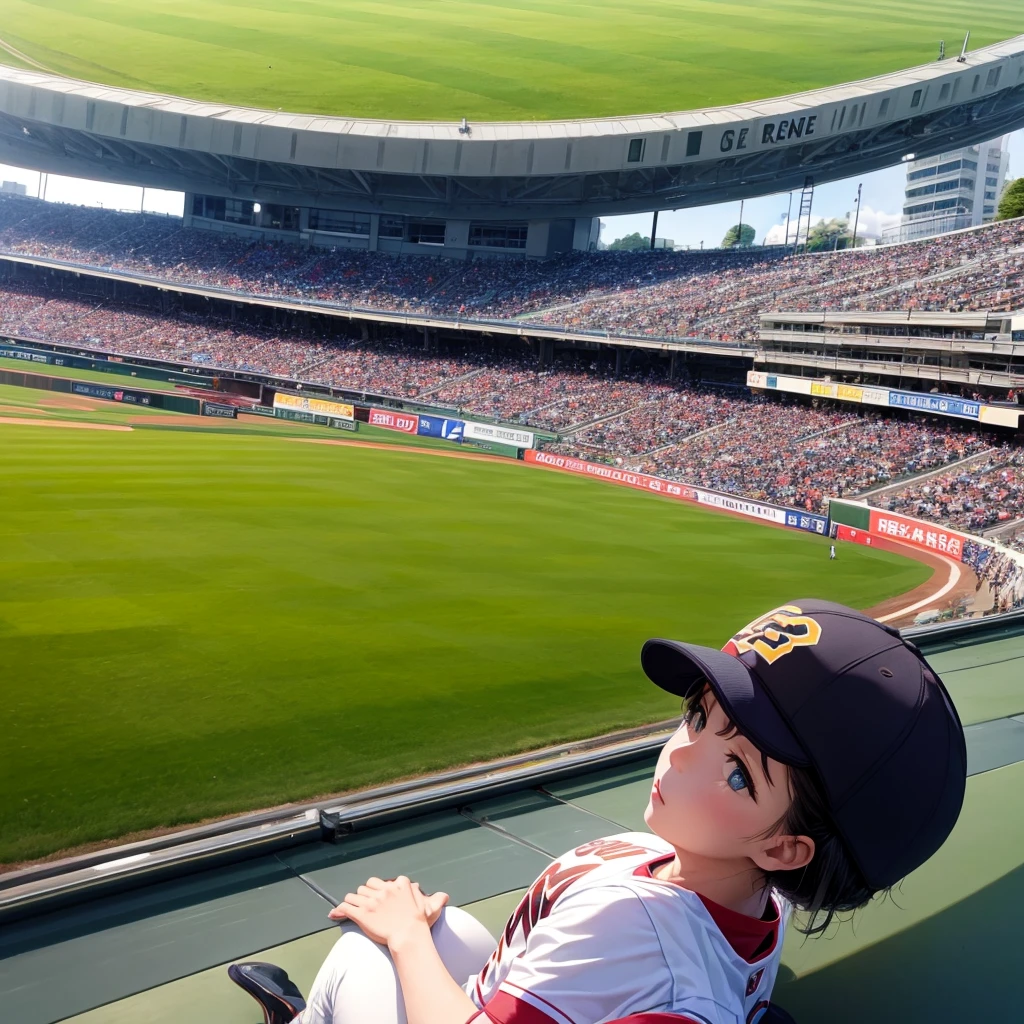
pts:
[490, 60]
[197, 622]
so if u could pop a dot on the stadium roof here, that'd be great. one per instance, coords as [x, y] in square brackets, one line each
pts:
[500, 170]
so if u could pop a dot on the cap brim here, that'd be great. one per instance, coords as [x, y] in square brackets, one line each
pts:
[679, 668]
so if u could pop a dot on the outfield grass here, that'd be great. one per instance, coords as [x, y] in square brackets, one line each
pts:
[202, 623]
[485, 59]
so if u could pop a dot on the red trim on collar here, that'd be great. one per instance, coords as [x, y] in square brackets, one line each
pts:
[752, 938]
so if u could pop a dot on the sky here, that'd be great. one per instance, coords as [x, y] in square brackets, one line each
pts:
[880, 205]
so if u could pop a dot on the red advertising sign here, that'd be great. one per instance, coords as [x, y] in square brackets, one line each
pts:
[403, 421]
[920, 534]
[598, 470]
[851, 533]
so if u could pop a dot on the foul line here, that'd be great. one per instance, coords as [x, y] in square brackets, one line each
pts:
[24, 57]
[954, 579]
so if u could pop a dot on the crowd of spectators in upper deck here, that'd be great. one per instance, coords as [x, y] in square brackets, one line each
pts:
[714, 294]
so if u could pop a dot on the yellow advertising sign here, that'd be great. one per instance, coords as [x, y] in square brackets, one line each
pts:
[316, 406]
[825, 390]
[851, 394]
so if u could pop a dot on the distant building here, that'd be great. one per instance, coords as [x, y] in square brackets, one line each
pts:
[958, 189]
[14, 187]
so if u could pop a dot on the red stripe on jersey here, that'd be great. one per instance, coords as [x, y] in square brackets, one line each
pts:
[505, 1008]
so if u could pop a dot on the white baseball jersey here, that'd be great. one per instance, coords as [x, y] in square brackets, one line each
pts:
[597, 938]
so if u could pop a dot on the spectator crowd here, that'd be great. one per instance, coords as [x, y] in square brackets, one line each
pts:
[714, 294]
[720, 437]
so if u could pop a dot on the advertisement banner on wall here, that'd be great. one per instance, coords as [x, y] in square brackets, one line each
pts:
[407, 423]
[113, 394]
[682, 492]
[599, 471]
[922, 535]
[228, 412]
[316, 406]
[935, 403]
[742, 506]
[853, 535]
[493, 432]
[436, 426]
[806, 521]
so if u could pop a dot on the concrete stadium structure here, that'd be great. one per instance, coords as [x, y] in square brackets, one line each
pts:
[525, 188]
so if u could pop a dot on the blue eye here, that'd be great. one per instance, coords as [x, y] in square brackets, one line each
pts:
[737, 779]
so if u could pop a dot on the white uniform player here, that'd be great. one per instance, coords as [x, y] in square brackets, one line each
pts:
[597, 938]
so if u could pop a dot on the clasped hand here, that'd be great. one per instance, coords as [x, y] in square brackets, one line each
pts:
[389, 911]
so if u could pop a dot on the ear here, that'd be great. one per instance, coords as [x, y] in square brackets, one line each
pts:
[783, 853]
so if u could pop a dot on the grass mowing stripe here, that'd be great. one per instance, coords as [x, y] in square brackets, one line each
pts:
[196, 624]
[484, 60]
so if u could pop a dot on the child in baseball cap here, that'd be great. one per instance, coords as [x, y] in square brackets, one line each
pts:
[819, 761]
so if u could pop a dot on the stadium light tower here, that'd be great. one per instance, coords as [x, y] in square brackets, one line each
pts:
[962, 59]
[856, 218]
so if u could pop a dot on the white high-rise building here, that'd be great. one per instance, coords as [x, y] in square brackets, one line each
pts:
[958, 189]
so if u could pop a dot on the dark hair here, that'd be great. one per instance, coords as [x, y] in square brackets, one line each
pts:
[831, 883]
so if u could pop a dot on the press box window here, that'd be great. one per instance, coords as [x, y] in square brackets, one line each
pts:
[636, 151]
[426, 232]
[915, 100]
[391, 227]
[693, 143]
[498, 236]
[340, 222]
[281, 218]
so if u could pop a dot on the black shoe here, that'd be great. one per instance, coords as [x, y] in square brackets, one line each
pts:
[776, 1015]
[271, 987]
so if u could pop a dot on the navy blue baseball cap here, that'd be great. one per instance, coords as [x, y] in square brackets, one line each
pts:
[819, 686]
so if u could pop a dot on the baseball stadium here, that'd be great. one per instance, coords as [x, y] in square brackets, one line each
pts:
[337, 510]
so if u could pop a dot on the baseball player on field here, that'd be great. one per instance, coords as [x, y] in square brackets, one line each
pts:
[818, 762]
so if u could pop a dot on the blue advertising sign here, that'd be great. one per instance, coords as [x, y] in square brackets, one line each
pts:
[437, 426]
[806, 521]
[935, 403]
[773, 381]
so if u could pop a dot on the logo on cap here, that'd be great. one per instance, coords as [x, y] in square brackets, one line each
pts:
[776, 634]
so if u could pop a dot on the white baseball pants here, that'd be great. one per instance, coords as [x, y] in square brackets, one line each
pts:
[358, 984]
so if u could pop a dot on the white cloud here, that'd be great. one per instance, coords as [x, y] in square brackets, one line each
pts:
[871, 223]
[876, 222]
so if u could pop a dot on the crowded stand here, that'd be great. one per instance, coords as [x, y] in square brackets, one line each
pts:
[798, 456]
[722, 438]
[1003, 573]
[715, 294]
[977, 497]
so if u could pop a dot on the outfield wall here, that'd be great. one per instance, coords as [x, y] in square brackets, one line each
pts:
[747, 507]
[86, 389]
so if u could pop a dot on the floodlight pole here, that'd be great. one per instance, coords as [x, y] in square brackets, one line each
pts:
[739, 230]
[856, 218]
[789, 212]
[654, 228]
[962, 59]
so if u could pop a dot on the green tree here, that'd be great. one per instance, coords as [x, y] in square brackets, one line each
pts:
[745, 232]
[831, 234]
[630, 243]
[1011, 204]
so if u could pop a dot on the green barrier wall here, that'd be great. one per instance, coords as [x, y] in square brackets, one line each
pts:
[112, 366]
[111, 393]
[849, 513]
